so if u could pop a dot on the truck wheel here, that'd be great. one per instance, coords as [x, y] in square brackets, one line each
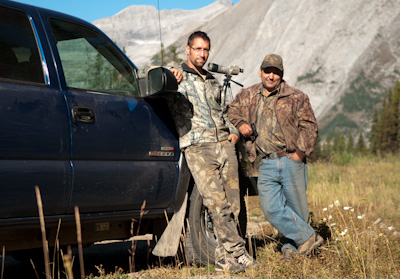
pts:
[201, 241]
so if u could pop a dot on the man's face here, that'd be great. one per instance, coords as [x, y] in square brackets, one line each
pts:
[198, 53]
[270, 78]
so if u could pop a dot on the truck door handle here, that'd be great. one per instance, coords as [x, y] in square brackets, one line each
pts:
[83, 115]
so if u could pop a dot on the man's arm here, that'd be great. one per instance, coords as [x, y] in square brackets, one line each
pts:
[236, 117]
[308, 127]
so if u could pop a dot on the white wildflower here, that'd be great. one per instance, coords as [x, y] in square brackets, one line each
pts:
[331, 205]
[337, 203]
[333, 224]
[361, 216]
[330, 217]
[346, 208]
[390, 228]
[325, 209]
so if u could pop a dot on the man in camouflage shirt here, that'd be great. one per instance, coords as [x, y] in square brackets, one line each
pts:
[287, 132]
[208, 140]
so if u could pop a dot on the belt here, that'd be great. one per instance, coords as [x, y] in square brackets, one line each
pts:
[275, 155]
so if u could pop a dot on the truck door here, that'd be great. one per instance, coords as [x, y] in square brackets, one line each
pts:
[124, 148]
[34, 124]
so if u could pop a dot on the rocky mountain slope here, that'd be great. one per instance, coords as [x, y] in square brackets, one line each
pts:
[137, 28]
[343, 54]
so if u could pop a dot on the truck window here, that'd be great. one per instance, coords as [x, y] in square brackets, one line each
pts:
[19, 53]
[91, 62]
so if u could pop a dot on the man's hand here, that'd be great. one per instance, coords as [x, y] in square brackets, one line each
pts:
[178, 74]
[233, 138]
[245, 130]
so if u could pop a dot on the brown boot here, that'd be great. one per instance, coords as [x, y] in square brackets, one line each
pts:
[308, 247]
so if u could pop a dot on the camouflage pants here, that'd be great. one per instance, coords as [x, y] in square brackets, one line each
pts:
[214, 167]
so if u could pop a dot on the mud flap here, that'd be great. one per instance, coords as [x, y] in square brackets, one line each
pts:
[167, 245]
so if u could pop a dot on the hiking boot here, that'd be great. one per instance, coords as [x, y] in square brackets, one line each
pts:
[247, 261]
[308, 247]
[287, 254]
[229, 264]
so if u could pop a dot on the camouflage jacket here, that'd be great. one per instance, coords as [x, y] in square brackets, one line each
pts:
[294, 114]
[202, 115]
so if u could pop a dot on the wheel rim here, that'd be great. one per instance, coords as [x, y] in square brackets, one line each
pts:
[207, 226]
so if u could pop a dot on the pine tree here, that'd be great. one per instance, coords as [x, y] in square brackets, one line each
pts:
[391, 124]
[339, 145]
[375, 130]
[396, 118]
[165, 57]
[384, 128]
[160, 58]
[361, 148]
[327, 149]
[173, 55]
[350, 145]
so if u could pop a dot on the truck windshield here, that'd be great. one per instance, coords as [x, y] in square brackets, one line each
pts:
[91, 62]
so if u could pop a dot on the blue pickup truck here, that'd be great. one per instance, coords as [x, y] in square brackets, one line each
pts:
[77, 122]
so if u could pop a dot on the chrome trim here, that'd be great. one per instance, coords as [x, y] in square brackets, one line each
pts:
[43, 58]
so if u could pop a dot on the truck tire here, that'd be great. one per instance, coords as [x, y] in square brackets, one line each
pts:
[201, 240]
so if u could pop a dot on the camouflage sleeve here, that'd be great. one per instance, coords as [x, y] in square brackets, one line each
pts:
[234, 110]
[308, 127]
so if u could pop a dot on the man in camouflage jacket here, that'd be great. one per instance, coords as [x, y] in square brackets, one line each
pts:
[285, 135]
[208, 140]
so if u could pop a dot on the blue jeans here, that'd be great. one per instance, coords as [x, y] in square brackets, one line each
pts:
[282, 185]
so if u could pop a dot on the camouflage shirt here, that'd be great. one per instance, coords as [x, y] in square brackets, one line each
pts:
[270, 137]
[294, 114]
[202, 115]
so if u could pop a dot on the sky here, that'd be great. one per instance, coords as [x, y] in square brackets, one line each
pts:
[91, 10]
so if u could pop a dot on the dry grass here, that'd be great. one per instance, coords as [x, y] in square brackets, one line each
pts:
[365, 183]
[355, 206]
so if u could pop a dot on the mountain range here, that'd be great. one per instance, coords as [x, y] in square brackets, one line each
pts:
[343, 54]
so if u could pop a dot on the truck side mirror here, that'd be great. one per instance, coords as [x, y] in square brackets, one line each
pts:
[157, 81]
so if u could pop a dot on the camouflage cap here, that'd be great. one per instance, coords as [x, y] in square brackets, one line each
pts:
[272, 60]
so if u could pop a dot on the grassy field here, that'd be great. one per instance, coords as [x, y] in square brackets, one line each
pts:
[355, 205]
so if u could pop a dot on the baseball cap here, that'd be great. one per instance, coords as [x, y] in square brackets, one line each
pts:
[272, 60]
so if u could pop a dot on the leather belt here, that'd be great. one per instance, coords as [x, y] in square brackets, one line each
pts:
[276, 155]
